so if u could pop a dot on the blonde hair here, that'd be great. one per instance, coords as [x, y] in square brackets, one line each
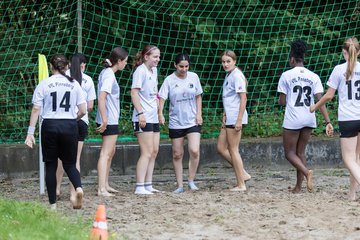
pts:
[351, 46]
[229, 53]
[139, 57]
[232, 54]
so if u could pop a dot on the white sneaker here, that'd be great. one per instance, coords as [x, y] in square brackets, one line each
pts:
[53, 206]
[142, 191]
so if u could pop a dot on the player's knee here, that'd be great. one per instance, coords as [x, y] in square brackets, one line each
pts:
[178, 155]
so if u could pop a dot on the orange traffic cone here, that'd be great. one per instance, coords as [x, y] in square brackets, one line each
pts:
[99, 230]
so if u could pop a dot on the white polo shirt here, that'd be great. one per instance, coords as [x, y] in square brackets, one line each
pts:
[147, 82]
[234, 84]
[87, 84]
[300, 86]
[182, 95]
[58, 97]
[107, 83]
[348, 91]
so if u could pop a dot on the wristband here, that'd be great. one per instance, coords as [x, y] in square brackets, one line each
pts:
[31, 130]
[139, 114]
[326, 123]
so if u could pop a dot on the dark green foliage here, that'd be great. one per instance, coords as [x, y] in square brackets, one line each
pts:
[258, 31]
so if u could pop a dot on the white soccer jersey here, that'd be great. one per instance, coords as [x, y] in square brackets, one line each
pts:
[348, 91]
[182, 94]
[147, 82]
[87, 84]
[107, 83]
[234, 84]
[300, 86]
[58, 97]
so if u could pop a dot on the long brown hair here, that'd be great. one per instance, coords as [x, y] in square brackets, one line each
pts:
[60, 63]
[139, 58]
[115, 55]
[351, 46]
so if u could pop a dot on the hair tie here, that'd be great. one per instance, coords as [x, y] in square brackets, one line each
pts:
[108, 62]
[150, 50]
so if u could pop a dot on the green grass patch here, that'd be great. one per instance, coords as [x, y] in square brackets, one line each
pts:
[31, 220]
[335, 172]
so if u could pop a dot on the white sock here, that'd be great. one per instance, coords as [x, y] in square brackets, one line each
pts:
[140, 189]
[192, 186]
[149, 187]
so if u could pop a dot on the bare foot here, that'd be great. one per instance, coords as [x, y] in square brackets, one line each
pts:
[77, 204]
[58, 193]
[238, 189]
[111, 190]
[309, 178]
[247, 177]
[104, 194]
[296, 189]
[352, 196]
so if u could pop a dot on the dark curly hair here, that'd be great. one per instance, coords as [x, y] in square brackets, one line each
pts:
[298, 49]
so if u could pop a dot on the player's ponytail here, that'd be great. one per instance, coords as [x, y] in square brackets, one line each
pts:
[351, 46]
[115, 55]
[60, 63]
[139, 57]
[75, 67]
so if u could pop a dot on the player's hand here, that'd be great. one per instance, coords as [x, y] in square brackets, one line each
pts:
[102, 127]
[329, 129]
[238, 126]
[312, 108]
[142, 121]
[161, 119]
[30, 140]
[224, 119]
[199, 120]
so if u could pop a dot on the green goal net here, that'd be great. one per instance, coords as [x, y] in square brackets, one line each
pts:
[259, 31]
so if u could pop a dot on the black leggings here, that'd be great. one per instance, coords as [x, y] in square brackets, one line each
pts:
[50, 178]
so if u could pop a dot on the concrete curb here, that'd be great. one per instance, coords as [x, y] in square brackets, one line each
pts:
[16, 160]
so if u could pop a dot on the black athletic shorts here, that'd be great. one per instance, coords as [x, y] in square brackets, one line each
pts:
[179, 133]
[349, 128]
[149, 127]
[110, 130]
[83, 130]
[59, 139]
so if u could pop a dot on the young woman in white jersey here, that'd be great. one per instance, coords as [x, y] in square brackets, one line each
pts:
[107, 116]
[144, 96]
[298, 87]
[185, 117]
[76, 71]
[235, 115]
[61, 102]
[345, 78]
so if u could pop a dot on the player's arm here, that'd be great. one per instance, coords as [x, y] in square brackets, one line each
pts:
[243, 99]
[282, 99]
[161, 111]
[199, 119]
[324, 99]
[102, 111]
[82, 111]
[137, 105]
[35, 112]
